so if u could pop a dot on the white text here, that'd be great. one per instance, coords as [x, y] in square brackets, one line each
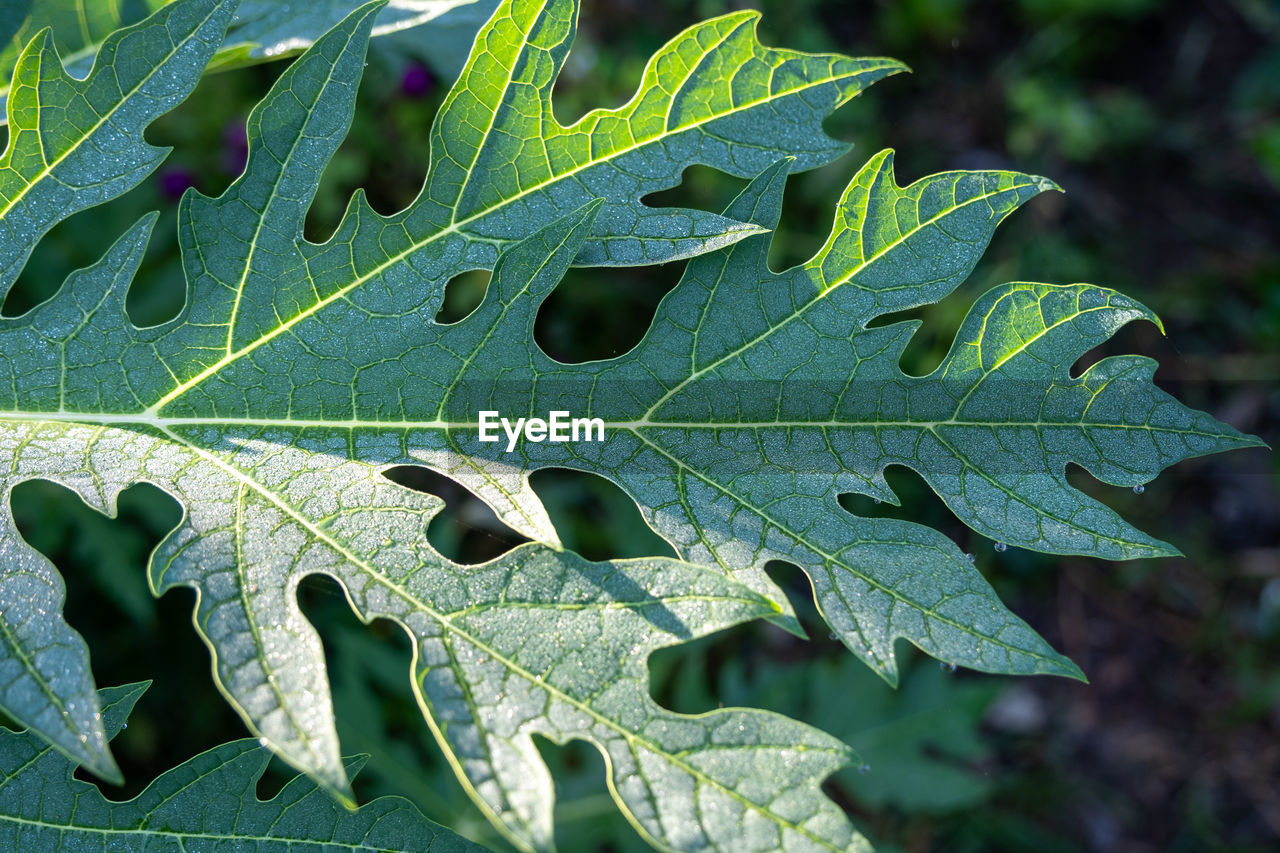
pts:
[557, 428]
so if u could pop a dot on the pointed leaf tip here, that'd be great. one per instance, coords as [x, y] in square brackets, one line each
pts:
[298, 373]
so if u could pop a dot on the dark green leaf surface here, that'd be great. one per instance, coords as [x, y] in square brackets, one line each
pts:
[76, 143]
[261, 29]
[205, 803]
[758, 398]
[78, 28]
[298, 373]
[537, 642]
[920, 748]
[446, 44]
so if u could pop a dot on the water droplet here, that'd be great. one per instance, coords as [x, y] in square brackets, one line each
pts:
[262, 742]
[833, 636]
[124, 726]
[970, 558]
[864, 769]
[1139, 489]
[878, 501]
[1001, 547]
[946, 667]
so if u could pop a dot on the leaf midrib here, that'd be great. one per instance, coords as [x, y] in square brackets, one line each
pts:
[63, 829]
[632, 426]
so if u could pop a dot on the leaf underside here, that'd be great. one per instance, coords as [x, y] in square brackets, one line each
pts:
[298, 373]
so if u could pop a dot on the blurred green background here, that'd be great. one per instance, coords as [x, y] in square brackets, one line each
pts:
[1162, 123]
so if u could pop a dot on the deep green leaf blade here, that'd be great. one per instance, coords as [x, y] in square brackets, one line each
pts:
[711, 95]
[44, 663]
[261, 30]
[244, 256]
[267, 29]
[207, 801]
[267, 505]
[298, 373]
[751, 430]
[77, 143]
[1014, 417]
[485, 685]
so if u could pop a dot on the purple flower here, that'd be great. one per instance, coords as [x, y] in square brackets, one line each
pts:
[175, 180]
[416, 81]
[235, 151]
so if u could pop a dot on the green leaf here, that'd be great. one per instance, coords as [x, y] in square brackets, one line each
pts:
[539, 641]
[298, 373]
[446, 44]
[261, 30]
[206, 801]
[917, 746]
[757, 398]
[76, 143]
[78, 28]
[281, 481]
[269, 29]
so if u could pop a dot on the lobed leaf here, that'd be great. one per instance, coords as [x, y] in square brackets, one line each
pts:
[536, 642]
[297, 373]
[76, 143]
[261, 30]
[758, 398]
[279, 482]
[206, 801]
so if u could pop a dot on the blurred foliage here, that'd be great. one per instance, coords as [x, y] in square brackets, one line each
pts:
[1162, 122]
